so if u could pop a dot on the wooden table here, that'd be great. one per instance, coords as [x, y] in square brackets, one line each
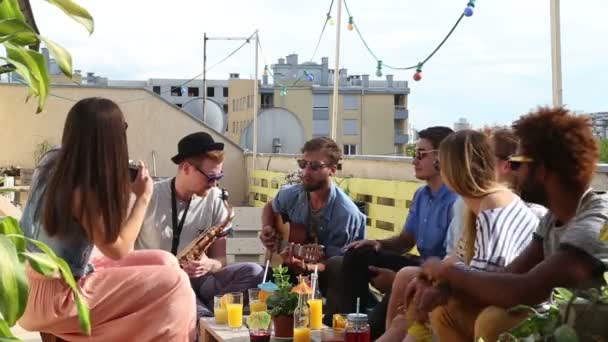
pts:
[209, 331]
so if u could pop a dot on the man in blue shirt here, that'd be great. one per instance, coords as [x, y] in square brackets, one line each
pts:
[329, 216]
[430, 214]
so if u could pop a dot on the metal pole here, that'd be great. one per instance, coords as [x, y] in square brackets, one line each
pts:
[255, 102]
[334, 112]
[556, 54]
[204, 76]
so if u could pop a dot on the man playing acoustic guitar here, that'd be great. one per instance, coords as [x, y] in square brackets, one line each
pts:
[319, 212]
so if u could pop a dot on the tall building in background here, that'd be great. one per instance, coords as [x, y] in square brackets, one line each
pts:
[600, 124]
[296, 106]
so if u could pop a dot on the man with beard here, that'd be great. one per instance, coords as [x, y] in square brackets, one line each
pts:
[554, 166]
[329, 216]
[183, 207]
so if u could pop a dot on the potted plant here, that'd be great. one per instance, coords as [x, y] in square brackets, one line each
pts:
[282, 303]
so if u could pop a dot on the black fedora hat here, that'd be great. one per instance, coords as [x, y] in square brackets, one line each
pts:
[195, 144]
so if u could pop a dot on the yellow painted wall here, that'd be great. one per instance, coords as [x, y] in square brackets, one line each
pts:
[239, 116]
[378, 124]
[155, 127]
[299, 102]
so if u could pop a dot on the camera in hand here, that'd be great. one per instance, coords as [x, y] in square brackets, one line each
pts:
[133, 170]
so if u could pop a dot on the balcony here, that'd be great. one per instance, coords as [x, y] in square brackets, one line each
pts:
[401, 137]
[401, 113]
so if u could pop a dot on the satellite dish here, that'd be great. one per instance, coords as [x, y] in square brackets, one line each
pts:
[215, 116]
[279, 131]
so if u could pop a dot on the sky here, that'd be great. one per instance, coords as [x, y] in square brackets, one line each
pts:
[494, 68]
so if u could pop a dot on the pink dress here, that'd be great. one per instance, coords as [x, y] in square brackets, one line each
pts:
[142, 297]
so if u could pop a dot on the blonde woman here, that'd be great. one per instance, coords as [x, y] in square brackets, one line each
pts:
[497, 226]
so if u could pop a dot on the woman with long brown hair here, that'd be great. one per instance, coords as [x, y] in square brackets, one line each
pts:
[80, 200]
[497, 225]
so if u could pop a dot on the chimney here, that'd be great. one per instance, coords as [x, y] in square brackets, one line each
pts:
[281, 60]
[343, 73]
[365, 81]
[292, 59]
[324, 61]
[389, 81]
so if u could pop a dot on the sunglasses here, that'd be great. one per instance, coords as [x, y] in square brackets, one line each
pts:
[515, 161]
[211, 178]
[420, 154]
[314, 165]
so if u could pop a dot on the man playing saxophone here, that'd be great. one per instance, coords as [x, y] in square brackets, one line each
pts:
[190, 204]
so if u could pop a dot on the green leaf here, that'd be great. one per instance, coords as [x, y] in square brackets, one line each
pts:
[565, 333]
[18, 32]
[13, 283]
[562, 295]
[42, 263]
[36, 65]
[10, 225]
[61, 55]
[76, 12]
[9, 9]
[5, 332]
[84, 317]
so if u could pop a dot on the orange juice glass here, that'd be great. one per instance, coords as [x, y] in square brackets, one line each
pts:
[219, 310]
[301, 335]
[255, 304]
[235, 310]
[316, 314]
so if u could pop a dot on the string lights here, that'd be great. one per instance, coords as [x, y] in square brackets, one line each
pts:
[468, 12]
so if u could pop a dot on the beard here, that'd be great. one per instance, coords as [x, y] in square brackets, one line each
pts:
[312, 187]
[533, 191]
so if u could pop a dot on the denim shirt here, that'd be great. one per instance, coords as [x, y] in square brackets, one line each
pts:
[75, 249]
[429, 218]
[340, 221]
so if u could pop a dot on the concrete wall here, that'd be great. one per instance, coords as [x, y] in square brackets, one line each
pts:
[239, 114]
[155, 127]
[377, 167]
[378, 127]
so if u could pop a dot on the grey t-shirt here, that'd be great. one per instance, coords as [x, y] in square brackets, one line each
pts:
[581, 232]
[157, 229]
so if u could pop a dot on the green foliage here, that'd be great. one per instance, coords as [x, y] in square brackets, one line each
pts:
[554, 325]
[603, 150]
[282, 302]
[18, 37]
[13, 281]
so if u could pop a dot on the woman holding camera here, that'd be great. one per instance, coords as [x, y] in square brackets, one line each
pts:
[80, 200]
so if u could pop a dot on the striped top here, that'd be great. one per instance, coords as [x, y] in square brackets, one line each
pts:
[502, 234]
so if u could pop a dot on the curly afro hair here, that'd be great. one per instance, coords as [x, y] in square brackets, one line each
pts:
[562, 142]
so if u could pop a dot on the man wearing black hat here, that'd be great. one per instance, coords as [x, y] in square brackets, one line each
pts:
[183, 207]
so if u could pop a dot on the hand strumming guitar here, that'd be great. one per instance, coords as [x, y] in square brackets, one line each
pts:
[269, 237]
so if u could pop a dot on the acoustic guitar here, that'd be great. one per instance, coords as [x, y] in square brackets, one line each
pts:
[296, 240]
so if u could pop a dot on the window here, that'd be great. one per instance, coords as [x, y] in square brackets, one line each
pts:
[320, 114]
[156, 89]
[192, 92]
[267, 100]
[176, 91]
[225, 107]
[350, 127]
[320, 128]
[210, 92]
[225, 91]
[351, 102]
[350, 149]
[234, 105]
[320, 101]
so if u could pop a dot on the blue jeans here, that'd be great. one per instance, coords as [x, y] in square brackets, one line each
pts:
[232, 278]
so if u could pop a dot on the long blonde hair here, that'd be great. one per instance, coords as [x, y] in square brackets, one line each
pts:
[468, 168]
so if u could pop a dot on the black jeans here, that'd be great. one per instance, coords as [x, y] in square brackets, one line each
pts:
[356, 277]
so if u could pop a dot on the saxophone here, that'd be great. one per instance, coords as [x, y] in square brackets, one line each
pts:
[201, 244]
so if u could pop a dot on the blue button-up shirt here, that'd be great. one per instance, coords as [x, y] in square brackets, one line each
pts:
[340, 221]
[429, 218]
